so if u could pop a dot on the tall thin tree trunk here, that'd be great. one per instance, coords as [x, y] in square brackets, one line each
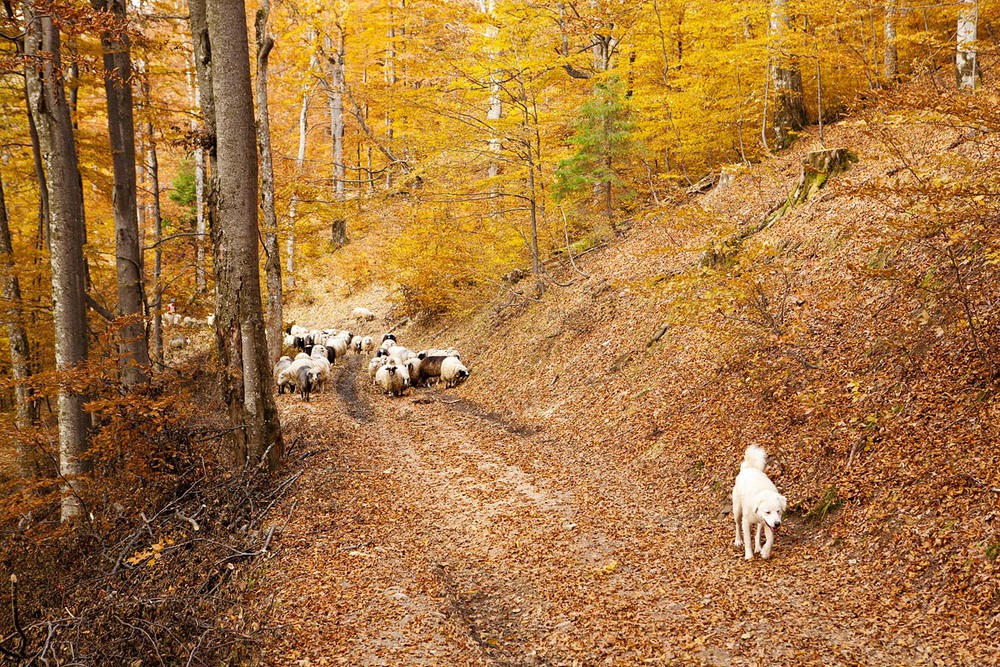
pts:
[272, 266]
[20, 354]
[890, 60]
[47, 100]
[248, 387]
[121, 129]
[299, 161]
[43, 188]
[494, 107]
[335, 92]
[153, 169]
[789, 106]
[967, 72]
[206, 100]
[200, 176]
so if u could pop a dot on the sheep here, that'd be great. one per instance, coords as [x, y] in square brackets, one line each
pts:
[393, 379]
[210, 320]
[179, 342]
[289, 340]
[388, 341]
[298, 370]
[400, 354]
[279, 366]
[367, 344]
[438, 352]
[296, 330]
[319, 374]
[362, 315]
[375, 364]
[453, 372]
[339, 346]
[427, 368]
[295, 375]
[301, 355]
[188, 321]
[318, 351]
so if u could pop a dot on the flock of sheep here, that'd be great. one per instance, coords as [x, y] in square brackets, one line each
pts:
[393, 367]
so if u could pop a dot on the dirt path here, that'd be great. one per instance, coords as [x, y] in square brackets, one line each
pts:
[426, 531]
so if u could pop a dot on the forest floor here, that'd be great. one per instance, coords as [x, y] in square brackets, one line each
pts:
[429, 531]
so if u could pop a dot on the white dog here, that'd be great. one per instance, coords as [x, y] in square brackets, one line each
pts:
[756, 501]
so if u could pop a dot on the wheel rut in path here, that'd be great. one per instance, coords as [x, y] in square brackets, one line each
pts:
[345, 380]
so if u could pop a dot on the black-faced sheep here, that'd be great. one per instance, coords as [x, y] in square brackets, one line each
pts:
[453, 372]
[392, 378]
[426, 369]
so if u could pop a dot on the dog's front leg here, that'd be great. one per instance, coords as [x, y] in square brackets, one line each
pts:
[746, 536]
[756, 539]
[766, 551]
[737, 519]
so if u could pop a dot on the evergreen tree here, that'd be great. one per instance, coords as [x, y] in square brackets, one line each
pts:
[603, 139]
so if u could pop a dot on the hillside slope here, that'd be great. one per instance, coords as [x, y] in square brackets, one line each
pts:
[853, 341]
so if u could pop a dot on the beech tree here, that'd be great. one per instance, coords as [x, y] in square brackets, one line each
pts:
[121, 130]
[50, 109]
[789, 107]
[272, 265]
[17, 336]
[248, 388]
[966, 54]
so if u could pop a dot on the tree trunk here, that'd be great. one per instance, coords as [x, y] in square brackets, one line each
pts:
[789, 107]
[967, 72]
[890, 61]
[206, 97]
[20, 356]
[47, 100]
[121, 130]
[43, 188]
[272, 266]
[153, 168]
[248, 387]
[494, 106]
[299, 161]
[335, 91]
[200, 178]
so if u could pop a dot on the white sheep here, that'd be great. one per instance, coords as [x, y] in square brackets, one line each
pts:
[296, 330]
[339, 346]
[318, 351]
[367, 344]
[453, 372]
[400, 354]
[179, 342]
[393, 379]
[319, 374]
[301, 355]
[279, 366]
[210, 320]
[375, 364]
[362, 314]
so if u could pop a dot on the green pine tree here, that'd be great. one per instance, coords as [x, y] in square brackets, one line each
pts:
[603, 138]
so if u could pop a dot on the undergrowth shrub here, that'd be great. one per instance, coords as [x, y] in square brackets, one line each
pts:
[149, 574]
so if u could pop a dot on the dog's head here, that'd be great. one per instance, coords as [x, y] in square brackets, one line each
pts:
[769, 507]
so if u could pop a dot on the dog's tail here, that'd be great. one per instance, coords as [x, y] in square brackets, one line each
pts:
[755, 457]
